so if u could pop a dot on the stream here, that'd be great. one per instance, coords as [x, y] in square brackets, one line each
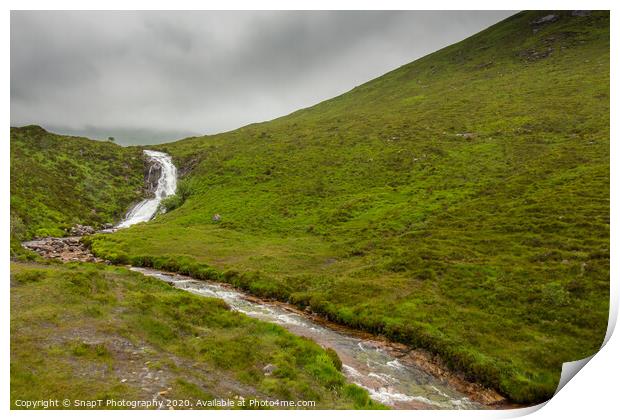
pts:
[371, 364]
[386, 370]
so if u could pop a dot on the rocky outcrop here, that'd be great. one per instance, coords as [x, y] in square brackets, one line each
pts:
[151, 175]
[545, 19]
[81, 230]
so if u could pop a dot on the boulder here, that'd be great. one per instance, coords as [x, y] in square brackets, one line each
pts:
[269, 369]
[81, 230]
[545, 19]
[467, 135]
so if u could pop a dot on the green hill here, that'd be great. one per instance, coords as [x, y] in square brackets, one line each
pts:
[459, 203]
[58, 181]
[89, 332]
[123, 335]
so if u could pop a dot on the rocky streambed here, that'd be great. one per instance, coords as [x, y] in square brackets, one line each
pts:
[66, 249]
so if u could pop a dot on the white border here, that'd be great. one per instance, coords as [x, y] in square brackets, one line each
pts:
[593, 392]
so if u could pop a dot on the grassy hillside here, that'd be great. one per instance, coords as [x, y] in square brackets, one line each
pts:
[459, 203]
[88, 332]
[58, 181]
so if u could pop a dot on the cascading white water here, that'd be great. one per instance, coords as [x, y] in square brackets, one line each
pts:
[386, 373]
[166, 186]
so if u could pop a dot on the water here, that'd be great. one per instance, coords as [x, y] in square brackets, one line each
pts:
[166, 186]
[373, 365]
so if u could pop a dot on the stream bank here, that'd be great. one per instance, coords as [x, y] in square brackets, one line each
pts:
[393, 373]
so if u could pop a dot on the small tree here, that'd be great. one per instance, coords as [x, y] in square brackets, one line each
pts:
[112, 139]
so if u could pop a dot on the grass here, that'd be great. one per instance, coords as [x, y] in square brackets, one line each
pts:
[89, 332]
[58, 181]
[459, 203]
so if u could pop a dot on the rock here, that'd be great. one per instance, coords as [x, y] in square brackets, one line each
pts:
[545, 19]
[485, 65]
[81, 230]
[216, 217]
[467, 135]
[581, 13]
[152, 172]
[269, 369]
[108, 225]
[64, 249]
[533, 55]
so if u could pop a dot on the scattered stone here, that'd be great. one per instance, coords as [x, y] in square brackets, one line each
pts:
[64, 249]
[467, 135]
[81, 230]
[545, 19]
[123, 380]
[216, 217]
[269, 369]
[484, 65]
[533, 55]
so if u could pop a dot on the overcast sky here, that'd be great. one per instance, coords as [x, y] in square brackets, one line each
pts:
[150, 77]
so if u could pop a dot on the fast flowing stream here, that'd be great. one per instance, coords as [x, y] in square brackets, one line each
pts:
[388, 376]
[166, 186]
[384, 369]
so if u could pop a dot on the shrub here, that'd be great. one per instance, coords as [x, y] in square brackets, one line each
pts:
[170, 203]
[30, 276]
[334, 358]
[359, 396]
[142, 261]
[18, 227]
[177, 200]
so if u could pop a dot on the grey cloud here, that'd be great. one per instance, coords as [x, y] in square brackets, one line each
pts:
[149, 77]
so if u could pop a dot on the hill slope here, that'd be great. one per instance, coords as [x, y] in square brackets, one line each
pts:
[58, 181]
[88, 332]
[459, 203]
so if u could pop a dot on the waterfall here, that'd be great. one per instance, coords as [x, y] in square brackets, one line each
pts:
[166, 186]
